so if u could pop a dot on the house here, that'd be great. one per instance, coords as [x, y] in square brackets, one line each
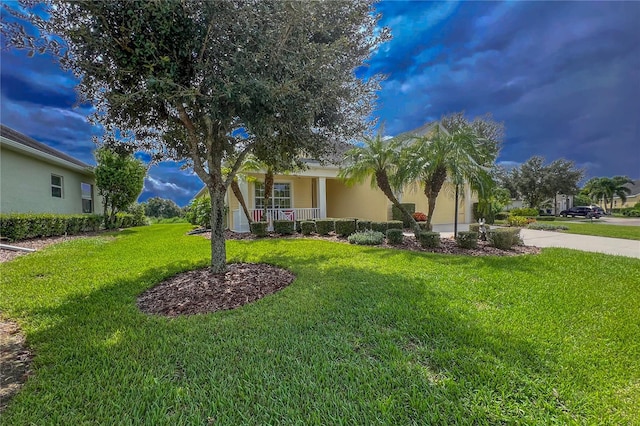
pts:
[317, 193]
[35, 178]
[632, 198]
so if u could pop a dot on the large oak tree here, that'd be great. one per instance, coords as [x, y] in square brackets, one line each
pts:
[202, 81]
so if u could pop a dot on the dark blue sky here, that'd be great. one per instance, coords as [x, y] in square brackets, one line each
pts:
[564, 77]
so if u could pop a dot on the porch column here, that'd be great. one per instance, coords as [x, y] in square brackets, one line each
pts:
[243, 223]
[322, 197]
[468, 208]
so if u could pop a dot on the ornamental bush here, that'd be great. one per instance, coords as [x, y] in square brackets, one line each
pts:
[324, 226]
[379, 226]
[18, 226]
[504, 238]
[363, 225]
[259, 229]
[395, 224]
[345, 227]
[524, 212]
[395, 236]
[518, 221]
[468, 240]
[475, 227]
[425, 227]
[366, 238]
[284, 227]
[307, 227]
[396, 213]
[429, 239]
[420, 217]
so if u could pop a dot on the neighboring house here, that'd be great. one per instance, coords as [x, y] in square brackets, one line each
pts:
[562, 202]
[632, 198]
[317, 193]
[35, 178]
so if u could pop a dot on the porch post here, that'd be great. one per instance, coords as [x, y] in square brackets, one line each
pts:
[322, 197]
[468, 205]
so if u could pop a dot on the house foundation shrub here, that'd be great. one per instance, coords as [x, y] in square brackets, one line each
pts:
[379, 226]
[307, 227]
[429, 239]
[363, 225]
[396, 224]
[259, 229]
[284, 227]
[395, 236]
[524, 212]
[325, 226]
[396, 213]
[366, 238]
[425, 226]
[467, 240]
[475, 227]
[504, 238]
[16, 227]
[345, 227]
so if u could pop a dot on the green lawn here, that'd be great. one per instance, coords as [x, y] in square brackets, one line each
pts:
[363, 336]
[600, 229]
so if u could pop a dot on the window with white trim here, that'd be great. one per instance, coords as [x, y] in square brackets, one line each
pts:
[87, 197]
[280, 198]
[56, 186]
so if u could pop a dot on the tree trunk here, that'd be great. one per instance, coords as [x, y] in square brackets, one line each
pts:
[236, 191]
[383, 183]
[218, 248]
[432, 188]
[268, 190]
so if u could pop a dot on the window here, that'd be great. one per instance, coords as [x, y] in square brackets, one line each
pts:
[87, 197]
[56, 186]
[280, 199]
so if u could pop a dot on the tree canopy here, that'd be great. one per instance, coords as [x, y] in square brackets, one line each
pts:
[202, 81]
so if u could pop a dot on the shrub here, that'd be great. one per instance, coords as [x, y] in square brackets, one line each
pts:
[420, 217]
[545, 218]
[345, 227]
[307, 227]
[199, 212]
[424, 227]
[501, 216]
[524, 212]
[379, 226]
[395, 236]
[504, 238]
[363, 225]
[259, 229]
[17, 227]
[467, 240]
[396, 214]
[366, 238]
[299, 225]
[138, 213]
[518, 221]
[284, 227]
[475, 227]
[429, 239]
[395, 224]
[324, 226]
[547, 227]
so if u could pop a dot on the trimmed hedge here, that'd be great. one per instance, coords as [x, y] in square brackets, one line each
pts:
[547, 227]
[363, 225]
[475, 227]
[395, 236]
[366, 238]
[345, 227]
[307, 227]
[395, 224]
[468, 240]
[504, 238]
[284, 227]
[524, 212]
[424, 227]
[545, 218]
[21, 226]
[259, 229]
[429, 239]
[324, 226]
[396, 213]
[379, 226]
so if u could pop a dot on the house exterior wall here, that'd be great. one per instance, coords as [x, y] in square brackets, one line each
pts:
[359, 201]
[445, 203]
[630, 202]
[25, 186]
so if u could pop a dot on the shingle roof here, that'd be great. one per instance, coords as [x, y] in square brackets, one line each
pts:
[634, 187]
[18, 137]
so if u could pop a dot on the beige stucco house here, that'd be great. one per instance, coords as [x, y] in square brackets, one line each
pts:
[317, 193]
[35, 178]
[632, 198]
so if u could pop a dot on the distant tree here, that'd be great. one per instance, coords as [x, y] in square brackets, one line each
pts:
[605, 188]
[203, 81]
[119, 179]
[581, 199]
[161, 208]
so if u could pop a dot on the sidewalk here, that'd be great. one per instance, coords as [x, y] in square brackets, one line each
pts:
[531, 237]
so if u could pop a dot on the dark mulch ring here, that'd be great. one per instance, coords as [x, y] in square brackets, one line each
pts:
[200, 291]
[447, 245]
[15, 359]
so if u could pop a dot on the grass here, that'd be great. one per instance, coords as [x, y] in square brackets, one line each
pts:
[363, 336]
[599, 229]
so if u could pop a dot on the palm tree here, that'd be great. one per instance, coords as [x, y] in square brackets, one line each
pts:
[379, 160]
[458, 153]
[605, 188]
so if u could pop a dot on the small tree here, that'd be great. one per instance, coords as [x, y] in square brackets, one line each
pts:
[119, 178]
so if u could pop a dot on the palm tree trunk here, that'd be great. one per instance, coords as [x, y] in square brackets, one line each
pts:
[432, 187]
[236, 191]
[383, 183]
